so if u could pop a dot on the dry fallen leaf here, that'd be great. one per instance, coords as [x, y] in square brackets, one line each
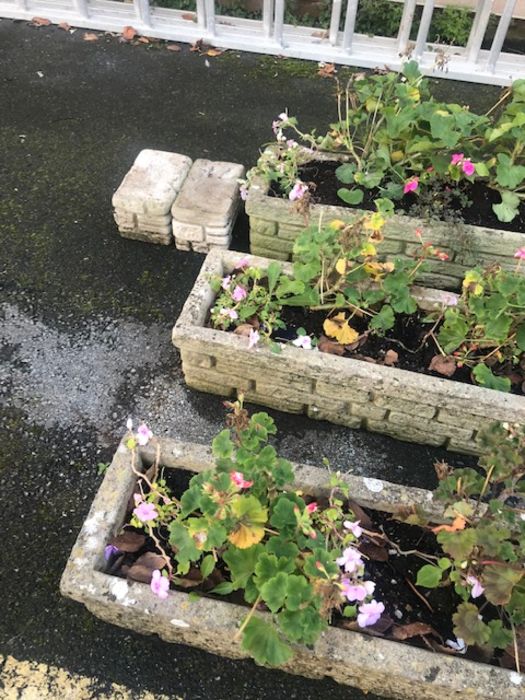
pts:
[40, 22]
[65, 26]
[457, 524]
[189, 16]
[337, 327]
[214, 52]
[326, 70]
[129, 33]
[413, 629]
[243, 329]
[443, 365]
[173, 47]
[128, 541]
[143, 40]
[391, 357]
[332, 347]
[89, 36]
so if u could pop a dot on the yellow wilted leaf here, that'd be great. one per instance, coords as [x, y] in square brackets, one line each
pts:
[375, 222]
[472, 282]
[337, 224]
[414, 94]
[368, 250]
[244, 536]
[397, 155]
[340, 266]
[337, 327]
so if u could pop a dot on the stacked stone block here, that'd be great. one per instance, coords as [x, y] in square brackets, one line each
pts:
[406, 405]
[275, 224]
[206, 207]
[142, 203]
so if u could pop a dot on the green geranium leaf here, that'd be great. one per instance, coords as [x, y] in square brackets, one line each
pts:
[485, 377]
[520, 337]
[499, 582]
[268, 566]
[500, 637]
[298, 592]
[458, 544]
[323, 558]
[224, 588]
[302, 626]
[345, 173]
[262, 641]
[242, 562]
[207, 565]
[274, 591]
[282, 547]
[352, 197]
[508, 174]
[468, 626]
[190, 500]
[507, 210]
[184, 545]
[350, 611]
[429, 576]
[273, 273]
[222, 446]
[384, 319]
[283, 516]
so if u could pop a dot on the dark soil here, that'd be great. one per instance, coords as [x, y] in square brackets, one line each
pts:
[394, 574]
[406, 338]
[321, 175]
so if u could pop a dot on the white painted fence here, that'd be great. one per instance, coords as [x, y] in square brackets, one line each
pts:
[272, 36]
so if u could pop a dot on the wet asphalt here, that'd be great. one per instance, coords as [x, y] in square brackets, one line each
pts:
[86, 319]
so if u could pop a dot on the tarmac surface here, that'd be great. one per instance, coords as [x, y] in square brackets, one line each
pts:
[85, 334]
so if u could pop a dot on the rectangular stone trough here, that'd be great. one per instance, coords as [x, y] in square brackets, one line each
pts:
[275, 224]
[371, 663]
[406, 405]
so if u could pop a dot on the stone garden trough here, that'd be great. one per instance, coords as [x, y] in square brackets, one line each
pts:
[371, 663]
[406, 405]
[275, 224]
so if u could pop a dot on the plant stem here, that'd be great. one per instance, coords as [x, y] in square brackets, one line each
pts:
[247, 619]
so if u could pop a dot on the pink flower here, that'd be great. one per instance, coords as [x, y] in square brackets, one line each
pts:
[411, 185]
[457, 158]
[477, 588]
[350, 560]
[312, 507]
[520, 254]
[468, 167]
[144, 434]
[354, 528]
[357, 592]
[303, 341]
[239, 293]
[369, 613]
[160, 584]
[298, 191]
[243, 191]
[231, 313]
[253, 338]
[226, 281]
[238, 479]
[145, 512]
[291, 143]
[243, 263]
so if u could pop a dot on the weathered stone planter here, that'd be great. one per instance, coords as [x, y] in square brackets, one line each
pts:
[275, 224]
[358, 394]
[373, 664]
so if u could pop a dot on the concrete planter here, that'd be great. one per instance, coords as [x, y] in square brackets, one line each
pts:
[351, 658]
[358, 394]
[275, 224]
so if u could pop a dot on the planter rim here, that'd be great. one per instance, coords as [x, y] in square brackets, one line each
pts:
[190, 325]
[210, 621]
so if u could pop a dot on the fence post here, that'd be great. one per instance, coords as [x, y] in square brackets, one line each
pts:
[201, 14]
[81, 7]
[278, 22]
[424, 26]
[405, 26]
[348, 34]
[267, 17]
[335, 20]
[142, 11]
[479, 27]
[501, 33]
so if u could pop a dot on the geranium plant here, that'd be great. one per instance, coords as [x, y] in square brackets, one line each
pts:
[483, 542]
[394, 138]
[244, 530]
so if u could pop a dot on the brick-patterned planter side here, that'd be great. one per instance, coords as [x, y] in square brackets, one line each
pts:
[373, 664]
[274, 226]
[358, 394]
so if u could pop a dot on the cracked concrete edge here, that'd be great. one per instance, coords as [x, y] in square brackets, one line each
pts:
[350, 658]
[31, 680]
